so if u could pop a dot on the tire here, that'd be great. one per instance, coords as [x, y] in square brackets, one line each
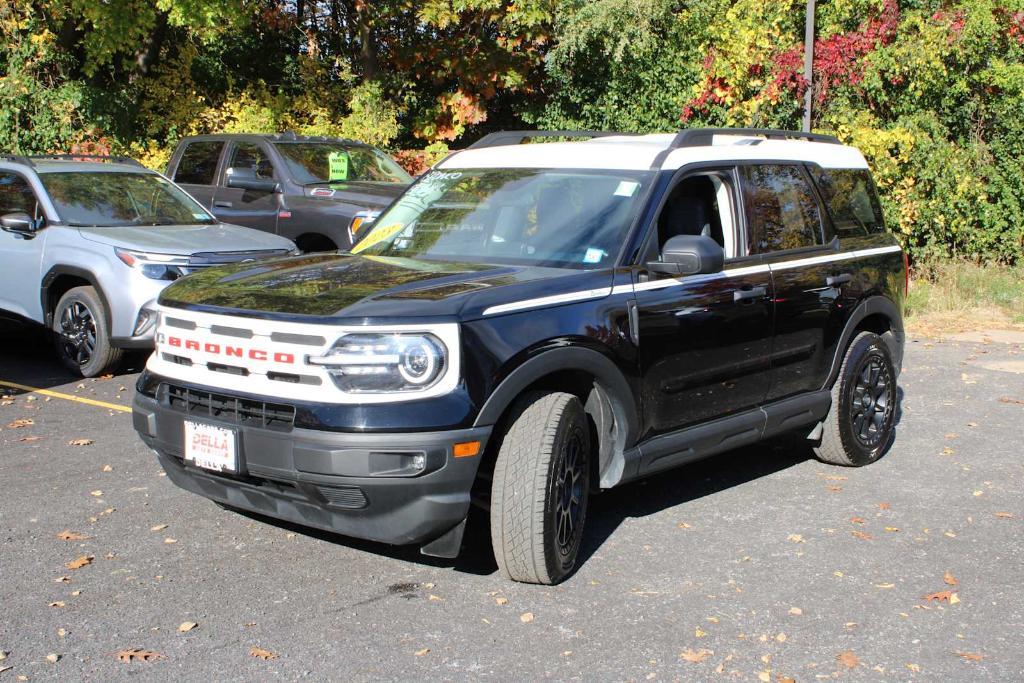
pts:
[81, 336]
[314, 243]
[859, 426]
[541, 488]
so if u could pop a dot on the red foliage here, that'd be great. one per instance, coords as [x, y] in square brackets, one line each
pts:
[1015, 30]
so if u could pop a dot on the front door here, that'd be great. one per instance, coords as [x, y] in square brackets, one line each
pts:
[704, 340]
[21, 255]
[196, 170]
[252, 208]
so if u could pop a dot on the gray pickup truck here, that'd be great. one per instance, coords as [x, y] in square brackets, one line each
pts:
[319, 192]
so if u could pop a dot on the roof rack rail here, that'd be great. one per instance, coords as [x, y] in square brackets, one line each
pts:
[516, 137]
[704, 137]
[76, 157]
[17, 159]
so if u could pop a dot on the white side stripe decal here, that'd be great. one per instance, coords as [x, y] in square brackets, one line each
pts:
[672, 282]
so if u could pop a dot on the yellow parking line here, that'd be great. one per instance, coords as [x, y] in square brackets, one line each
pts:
[66, 397]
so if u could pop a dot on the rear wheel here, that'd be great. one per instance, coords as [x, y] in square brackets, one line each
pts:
[81, 337]
[541, 488]
[859, 426]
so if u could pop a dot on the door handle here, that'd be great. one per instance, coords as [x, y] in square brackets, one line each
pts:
[747, 294]
[222, 205]
[836, 280]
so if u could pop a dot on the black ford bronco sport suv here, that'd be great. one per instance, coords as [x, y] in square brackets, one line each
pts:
[531, 323]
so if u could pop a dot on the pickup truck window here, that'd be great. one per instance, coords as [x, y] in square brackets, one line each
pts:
[198, 163]
[251, 156]
[113, 199]
[558, 218]
[310, 163]
[782, 212]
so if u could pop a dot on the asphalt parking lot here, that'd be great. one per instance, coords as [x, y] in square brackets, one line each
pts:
[761, 564]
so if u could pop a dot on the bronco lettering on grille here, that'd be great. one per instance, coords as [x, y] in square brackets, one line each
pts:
[214, 349]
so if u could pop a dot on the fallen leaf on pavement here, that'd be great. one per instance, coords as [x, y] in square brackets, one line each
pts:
[526, 617]
[950, 580]
[80, 442]
[695, 656]
[501, 601]
[795, 611]
[420, 653]
[57, 603]
[914, 667]
[168, 541]
[136, 655]
[848, 659]
[1007, 399]
[862, 536]
[883, 506]
[1004, 515]
[29, 439]
[96, 494]
[79, 562]
[187, 626]
[23, 422]
[260, 653]
[857, 520]
[892, 529]
[833, 489]
[885, 585]
[52, 658]
[795, 538]
[971, 656]
[942, 596]
[434, 598]
[59, 579]
[158, 527]
[108, 468]
[68, 535]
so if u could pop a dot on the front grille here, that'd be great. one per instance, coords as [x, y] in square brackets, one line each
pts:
[240, 411]
[220, 258]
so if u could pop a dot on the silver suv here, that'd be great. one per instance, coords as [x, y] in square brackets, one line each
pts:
[88, 243]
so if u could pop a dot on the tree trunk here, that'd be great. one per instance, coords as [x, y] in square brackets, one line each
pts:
[367, 42]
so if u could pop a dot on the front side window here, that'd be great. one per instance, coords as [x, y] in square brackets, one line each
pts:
[109, 199]
[852, 201]
[198, 164]
[558, 218]
[249, 158]
[317, 163]
[16, 195]
[782, 212]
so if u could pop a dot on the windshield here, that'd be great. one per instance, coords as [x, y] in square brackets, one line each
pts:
[559, 218]
[332, 162]
[111, 199]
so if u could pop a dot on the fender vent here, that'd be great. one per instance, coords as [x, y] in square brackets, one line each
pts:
[349, 497]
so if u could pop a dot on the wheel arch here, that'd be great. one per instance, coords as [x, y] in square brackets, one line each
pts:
[594, 379]
[59, 280]
[876, 314]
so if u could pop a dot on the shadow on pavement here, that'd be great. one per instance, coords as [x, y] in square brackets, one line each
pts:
[27, 357]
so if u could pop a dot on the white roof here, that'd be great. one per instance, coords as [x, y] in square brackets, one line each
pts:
[638, 152]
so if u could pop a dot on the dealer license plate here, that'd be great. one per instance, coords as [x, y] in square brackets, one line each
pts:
[210, 447]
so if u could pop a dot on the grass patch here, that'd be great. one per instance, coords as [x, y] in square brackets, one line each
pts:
[960, 296]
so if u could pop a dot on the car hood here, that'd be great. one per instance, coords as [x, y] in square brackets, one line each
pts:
[186, 239]
[370, 195]
[349, 286]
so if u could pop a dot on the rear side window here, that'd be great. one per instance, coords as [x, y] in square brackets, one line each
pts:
[852, 201]
[198, 163]
[782, 212]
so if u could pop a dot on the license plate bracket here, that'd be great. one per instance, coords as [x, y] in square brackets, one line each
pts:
[211, 447]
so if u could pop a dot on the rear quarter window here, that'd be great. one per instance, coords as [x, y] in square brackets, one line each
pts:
[851, 200]
[198, 164]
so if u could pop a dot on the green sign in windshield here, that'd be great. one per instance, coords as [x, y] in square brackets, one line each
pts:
[338, 166]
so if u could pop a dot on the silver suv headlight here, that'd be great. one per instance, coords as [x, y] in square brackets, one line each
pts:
[154, 266]
[376, 363]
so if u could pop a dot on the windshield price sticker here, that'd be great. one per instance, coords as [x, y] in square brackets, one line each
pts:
[378, 235]
[337, 166]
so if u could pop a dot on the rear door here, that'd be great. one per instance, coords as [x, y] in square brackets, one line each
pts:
[252, 208]
[786, 228]
[196, 170]
[20, 255]
[704, 340]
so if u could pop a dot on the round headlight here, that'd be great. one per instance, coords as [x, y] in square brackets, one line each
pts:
[419, 361]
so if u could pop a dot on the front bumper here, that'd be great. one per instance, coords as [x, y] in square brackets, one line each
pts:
[328, 480]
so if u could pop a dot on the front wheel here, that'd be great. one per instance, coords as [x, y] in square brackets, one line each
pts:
[541, 488]
[859, 425]
[81, 337]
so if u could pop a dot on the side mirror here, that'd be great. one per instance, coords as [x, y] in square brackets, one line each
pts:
[20, 223]
[245, 179]
[689, 255]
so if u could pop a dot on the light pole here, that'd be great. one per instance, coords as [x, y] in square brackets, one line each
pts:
[808, 64]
